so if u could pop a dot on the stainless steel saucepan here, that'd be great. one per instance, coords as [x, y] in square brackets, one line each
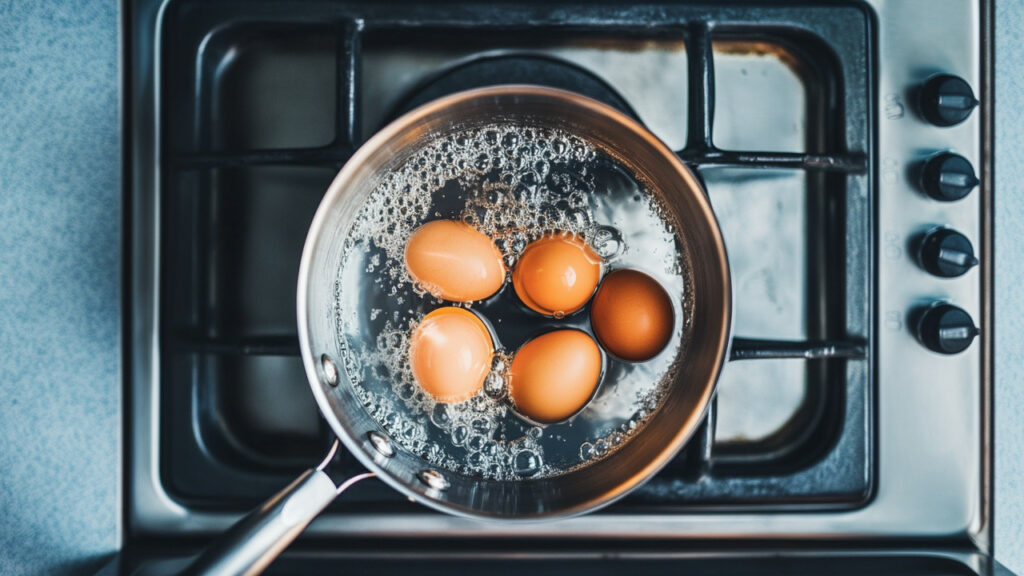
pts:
[256, 540]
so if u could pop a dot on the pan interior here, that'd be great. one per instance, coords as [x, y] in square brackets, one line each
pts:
[678, 408]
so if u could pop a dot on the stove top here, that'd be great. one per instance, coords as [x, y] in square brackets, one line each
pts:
[833, 420]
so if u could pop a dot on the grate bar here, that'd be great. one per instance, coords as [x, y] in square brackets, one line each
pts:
[348, 59]
[701, 104]
[844, 163]
[246, 346]
[755, 349]
[742, 348]
[327, 156]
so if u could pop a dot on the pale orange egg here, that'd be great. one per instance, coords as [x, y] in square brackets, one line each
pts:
[632, 315]
[450, 354]
[556, 275]
[454, 261]
[554, 375]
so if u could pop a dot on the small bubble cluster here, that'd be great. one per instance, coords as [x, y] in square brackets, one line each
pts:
[602, 445]
[522, 182]
[514, 184]
[475, 426]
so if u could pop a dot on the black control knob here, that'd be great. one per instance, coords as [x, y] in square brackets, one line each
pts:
[948, 177]
[946, 253]
[945, 329]
[947, 100]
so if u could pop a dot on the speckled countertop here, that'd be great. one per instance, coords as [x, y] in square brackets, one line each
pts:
[60, 245]
[1009, 278]
[60, 226]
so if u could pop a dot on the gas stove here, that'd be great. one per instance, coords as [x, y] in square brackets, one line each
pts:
[841, 151]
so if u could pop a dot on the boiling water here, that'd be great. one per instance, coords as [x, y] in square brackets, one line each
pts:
[514, 184]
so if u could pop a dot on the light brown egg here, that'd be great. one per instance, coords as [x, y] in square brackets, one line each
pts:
[454, 261]
[554, 375]
[450, 354]
[556, 275]
[632, 315]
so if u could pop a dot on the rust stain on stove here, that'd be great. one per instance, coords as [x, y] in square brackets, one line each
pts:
[760, 48]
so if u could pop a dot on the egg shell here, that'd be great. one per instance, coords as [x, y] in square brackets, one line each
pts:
[554, 375]
[632, 315]
[450, 354]
[454, 261]
[556, 275]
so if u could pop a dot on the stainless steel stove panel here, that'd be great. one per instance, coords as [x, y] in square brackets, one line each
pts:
[931, 410]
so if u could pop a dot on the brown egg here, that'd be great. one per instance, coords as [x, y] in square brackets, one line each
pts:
[554, 375]
[450, 354]
[454, 261]
[632, 315]
[556, 275]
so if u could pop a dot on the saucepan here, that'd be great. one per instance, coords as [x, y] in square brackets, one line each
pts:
[257, 539]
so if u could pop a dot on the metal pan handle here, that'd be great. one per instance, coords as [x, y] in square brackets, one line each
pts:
[256, 540]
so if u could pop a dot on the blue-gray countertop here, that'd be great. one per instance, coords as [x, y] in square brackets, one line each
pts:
[60, 245]
[1009, 280]
[60, 226]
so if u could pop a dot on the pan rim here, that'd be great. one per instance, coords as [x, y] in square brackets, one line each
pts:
[348, 175]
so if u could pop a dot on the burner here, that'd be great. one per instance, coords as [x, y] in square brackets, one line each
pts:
[515, 69]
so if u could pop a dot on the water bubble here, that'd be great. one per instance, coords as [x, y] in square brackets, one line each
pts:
[586, 451]
[499, 361]
[607, 243]
[578, 220]
[497, 158]
[459, 435]
[482, 426]
[494, 471]
[440, 417]
[518, 243]
[578, 200]
[541, 167]
[476, 443]
[529, 178]
[527, 463]
[494, 386]
[406, 391]
[515, 161]
[554, 217]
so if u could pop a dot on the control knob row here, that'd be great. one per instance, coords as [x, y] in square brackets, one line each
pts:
[946, 100]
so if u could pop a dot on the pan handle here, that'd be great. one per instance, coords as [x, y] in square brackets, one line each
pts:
[256, 540]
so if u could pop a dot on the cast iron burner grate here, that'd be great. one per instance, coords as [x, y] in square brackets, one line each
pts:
[236, 419]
